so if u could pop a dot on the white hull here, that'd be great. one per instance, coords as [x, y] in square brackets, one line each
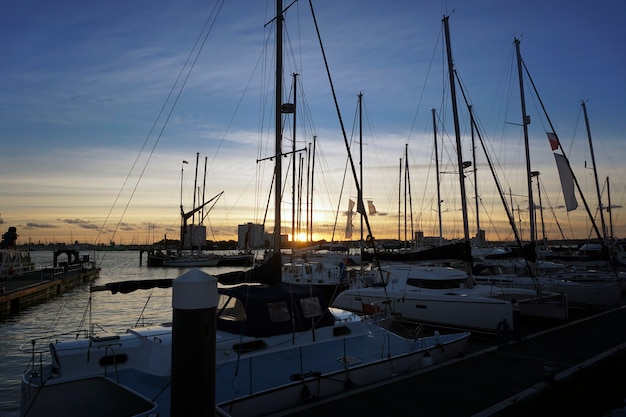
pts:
[581, 293]
[279, 377]
[452, 310]
[441, 296]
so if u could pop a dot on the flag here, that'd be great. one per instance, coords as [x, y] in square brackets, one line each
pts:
[370, 207]
[567, 182]
[349, 221]
[554, 141]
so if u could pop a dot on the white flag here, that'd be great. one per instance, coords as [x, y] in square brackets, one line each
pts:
[349, 221]
[567, 182]
[370, 207]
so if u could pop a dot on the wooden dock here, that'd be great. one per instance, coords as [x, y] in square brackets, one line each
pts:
[18, 292]
[541, 374]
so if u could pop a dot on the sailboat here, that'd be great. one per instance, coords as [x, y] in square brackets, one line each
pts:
[444, 296]
[279, 345]
[586, 289]
[190, 252]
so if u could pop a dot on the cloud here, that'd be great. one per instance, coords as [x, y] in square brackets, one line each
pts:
[81, 223]
[40, 226]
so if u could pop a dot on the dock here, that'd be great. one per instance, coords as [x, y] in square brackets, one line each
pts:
[27, 285]
[541, 374]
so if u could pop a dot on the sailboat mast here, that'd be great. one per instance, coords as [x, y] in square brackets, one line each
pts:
[525, 123]
[608, 209]
[457, 129]
[595, 172]
[405, 194]
[202, 215]
[312, 187]
[360, 191]
[438, 180]
[278, 125]
[195, 185]
[478, 234]
[399, 199]
[293, 157]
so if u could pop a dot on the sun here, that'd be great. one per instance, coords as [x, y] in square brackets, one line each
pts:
[301, 237]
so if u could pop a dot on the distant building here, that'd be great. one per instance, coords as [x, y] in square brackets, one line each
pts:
[195, 237]
[250, 236]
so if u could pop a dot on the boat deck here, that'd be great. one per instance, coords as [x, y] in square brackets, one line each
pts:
[539, 375]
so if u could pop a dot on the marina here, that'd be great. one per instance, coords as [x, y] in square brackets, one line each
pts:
[487, 380]
[182, 328]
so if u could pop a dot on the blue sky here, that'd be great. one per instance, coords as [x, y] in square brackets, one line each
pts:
[82, 84]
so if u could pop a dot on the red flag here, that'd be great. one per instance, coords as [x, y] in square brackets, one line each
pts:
[554, 141]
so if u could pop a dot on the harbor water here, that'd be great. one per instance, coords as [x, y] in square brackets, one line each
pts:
[73, 312]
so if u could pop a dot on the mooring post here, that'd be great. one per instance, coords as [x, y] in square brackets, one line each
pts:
[194, 302]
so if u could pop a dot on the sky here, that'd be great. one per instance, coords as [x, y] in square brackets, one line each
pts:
[101, 102]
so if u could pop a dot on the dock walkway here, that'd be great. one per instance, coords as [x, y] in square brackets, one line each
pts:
[19, 292]
[541, 372]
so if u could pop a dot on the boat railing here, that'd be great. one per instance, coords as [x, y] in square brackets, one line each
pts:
[35, 368]
[41, 353]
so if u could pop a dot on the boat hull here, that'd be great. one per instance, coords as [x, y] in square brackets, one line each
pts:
[452, 310]
[274, 379]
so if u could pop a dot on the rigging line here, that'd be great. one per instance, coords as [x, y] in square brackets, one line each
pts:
[495, 177]
[419, 101]
[214, 14]
[360, 206]
[232, 119]
[582, 196]
[144, 308]
[343, 183]
[552, 211]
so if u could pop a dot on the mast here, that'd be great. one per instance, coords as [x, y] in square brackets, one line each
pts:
[312, 187]
[309, 195]
[182, 212]
[278, 125]
[399, 199]
[360, 190]
[478, 235]
[438, 181]
[595, 172]
[525, 123]
[608, 209]
[293, 169]
[202, 215]
[195, 185]
[406, 165]
[407, 191]
[543, 226]
[457, 130]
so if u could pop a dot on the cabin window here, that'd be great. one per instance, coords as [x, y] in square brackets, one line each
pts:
[230, 308]
[311, 307]
[434, 284]
[278, 311]
[292, 269]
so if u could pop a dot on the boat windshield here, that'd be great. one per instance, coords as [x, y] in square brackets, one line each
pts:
[230, 308]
